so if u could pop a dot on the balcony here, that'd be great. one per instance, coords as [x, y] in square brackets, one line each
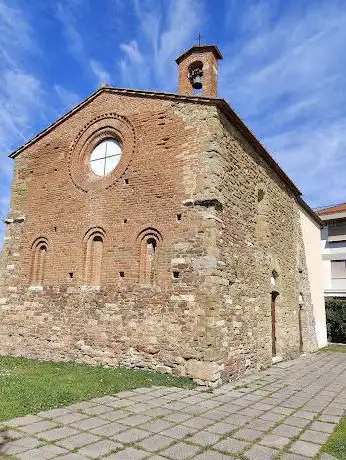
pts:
[338, 288]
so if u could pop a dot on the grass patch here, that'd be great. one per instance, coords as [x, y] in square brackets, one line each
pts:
[336, 444]
[29, 386]
[335, 347]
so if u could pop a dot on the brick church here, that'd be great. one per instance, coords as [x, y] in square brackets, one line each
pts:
[153, 230]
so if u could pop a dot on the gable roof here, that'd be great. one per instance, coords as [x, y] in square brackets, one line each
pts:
[222, 104]
[200, 49]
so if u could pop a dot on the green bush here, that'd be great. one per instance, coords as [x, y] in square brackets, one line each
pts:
[336, 319]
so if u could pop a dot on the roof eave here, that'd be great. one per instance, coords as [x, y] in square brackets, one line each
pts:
[310, 211]
[213, 48]
[140, 93]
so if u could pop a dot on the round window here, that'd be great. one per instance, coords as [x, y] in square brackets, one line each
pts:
[105, 157]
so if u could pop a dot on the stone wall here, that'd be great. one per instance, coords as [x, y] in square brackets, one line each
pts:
[189, 175]
[253, 242]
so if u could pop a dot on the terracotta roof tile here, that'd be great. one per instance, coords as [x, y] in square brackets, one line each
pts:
[331, 209]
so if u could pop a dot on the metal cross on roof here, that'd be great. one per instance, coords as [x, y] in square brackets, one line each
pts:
[199, 39]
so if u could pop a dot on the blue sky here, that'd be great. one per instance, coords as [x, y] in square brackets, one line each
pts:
[284, 71]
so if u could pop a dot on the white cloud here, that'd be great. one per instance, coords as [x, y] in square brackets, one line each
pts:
[76, 44]
[15, 33]
[285, 77]
[73, 37]
[21, 93]
[166, 29]
[183, 21]
[67, 98]
[102, 75]
[132, 51]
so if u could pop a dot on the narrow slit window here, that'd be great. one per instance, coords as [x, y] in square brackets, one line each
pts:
[39, 263]
[93, 260]
[148, 258]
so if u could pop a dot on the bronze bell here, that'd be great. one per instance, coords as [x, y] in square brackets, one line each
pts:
[196, 78]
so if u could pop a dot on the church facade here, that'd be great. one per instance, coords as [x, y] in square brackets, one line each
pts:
[153, 230]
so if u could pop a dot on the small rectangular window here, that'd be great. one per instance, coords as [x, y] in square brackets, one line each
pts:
[338, 269]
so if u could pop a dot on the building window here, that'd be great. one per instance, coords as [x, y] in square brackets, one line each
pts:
[40, 248]
[273, 279]
[105, 157]
[93, 258]
[338, 269]
[337, 230]
[148, 256]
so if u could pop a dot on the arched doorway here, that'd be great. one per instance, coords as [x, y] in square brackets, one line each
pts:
[274, 294]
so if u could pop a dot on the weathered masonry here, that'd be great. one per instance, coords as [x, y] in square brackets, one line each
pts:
[153, 230]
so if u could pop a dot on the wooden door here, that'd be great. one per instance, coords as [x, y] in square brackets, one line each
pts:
[273, 318]
[300, 329]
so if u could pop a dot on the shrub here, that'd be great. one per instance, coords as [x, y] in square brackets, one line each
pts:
[336, 319]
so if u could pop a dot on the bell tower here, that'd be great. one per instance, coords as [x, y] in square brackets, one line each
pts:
[198, 71]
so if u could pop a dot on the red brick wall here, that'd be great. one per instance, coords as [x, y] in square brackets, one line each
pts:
[59, 211]
[210, 76]
[124, 322]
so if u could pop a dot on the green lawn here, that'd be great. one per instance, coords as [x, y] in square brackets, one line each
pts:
[335, 347]
[28, 386]
[336, 444]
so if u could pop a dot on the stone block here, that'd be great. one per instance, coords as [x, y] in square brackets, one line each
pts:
[130, 453]
[178, 431]
[304, 448]
[261, 453]
[203, 370]
[132, 435]
[317, 437]
[204, 438]
[22, 421]
[99, 449]
[180, 451]
[78, 440]
[231, 445]
[58, 433]
[156, 442]
[322, 426]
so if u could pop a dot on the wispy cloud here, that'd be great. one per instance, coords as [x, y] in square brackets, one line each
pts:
[102, 75]
[165, 28]
[286, 78]
[75, 42]
[67, 98]
[21, 92]
[15, 34]
[132, 51]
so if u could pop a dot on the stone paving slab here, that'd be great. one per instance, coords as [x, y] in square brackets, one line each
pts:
[286, 412]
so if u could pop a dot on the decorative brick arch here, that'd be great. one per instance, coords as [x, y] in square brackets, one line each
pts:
[102, 127]
[93, 253]
[39, 254]
[149, 241]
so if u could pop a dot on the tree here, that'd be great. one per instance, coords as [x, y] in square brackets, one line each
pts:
[336, 319]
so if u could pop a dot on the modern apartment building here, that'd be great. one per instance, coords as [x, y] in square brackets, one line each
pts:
[333, 244]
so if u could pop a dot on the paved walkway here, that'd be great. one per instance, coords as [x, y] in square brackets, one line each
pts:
[285, 412]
